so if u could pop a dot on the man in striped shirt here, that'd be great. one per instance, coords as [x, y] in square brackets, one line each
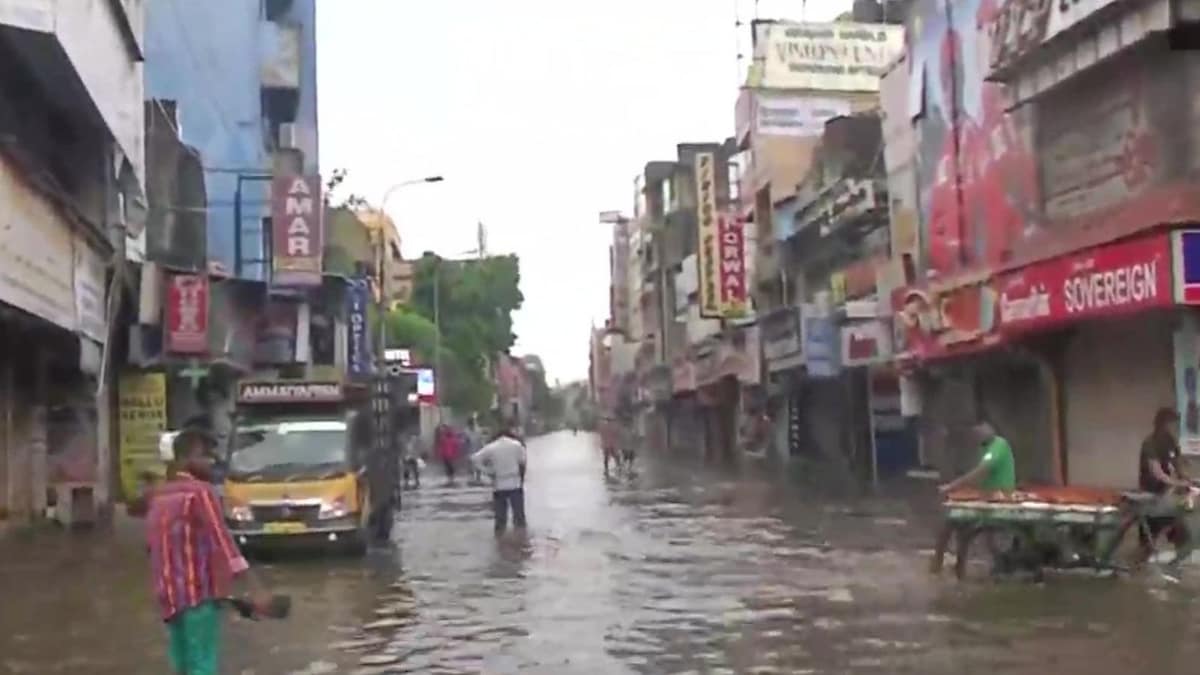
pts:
[193, 557]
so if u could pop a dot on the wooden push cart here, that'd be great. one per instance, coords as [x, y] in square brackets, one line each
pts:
[1036, 529]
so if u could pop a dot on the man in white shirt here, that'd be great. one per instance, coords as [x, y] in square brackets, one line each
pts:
[504, 460]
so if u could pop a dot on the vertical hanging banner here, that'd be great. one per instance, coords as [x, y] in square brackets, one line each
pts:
[358, 361]
[187, 314]
[733, 265]
[708, 236]
[297, 230]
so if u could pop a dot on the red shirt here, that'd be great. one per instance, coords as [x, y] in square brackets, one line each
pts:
[192, 554]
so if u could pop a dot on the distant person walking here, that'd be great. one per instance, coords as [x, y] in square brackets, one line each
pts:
[448, 449]
[504, 460]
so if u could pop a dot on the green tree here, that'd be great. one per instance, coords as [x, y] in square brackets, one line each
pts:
[476, 299]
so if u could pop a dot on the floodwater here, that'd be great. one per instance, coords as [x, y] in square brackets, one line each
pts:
[674, 570]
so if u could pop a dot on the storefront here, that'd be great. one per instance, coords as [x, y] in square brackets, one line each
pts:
[1104, 317]
[727, 368]
[684, 415]
[874, 387]
[784, 361]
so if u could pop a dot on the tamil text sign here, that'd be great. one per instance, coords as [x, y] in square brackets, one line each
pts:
[828, 56]
[1112, 279]
[297, 230]
[708, 235]
[187, 314]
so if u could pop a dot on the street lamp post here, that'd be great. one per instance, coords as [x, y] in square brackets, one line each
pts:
[381, 257]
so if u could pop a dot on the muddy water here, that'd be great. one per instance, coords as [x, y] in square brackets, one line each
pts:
[671, 571]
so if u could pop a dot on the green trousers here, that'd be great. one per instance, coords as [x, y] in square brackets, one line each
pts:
[195, 640]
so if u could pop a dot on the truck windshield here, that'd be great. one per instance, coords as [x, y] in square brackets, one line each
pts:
[289, 449]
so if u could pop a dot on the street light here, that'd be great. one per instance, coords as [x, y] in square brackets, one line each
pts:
[382, 257]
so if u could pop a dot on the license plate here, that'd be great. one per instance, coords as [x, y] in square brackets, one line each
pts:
[283, 528]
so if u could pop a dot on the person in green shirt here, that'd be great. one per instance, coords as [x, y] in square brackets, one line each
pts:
[995, 472]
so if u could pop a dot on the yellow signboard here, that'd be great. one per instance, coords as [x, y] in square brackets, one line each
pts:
[142, 402]
[708, 237]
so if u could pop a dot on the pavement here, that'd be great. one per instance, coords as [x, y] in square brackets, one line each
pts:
[677, 568]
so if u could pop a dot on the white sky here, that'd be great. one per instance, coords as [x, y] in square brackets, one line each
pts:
[539, 113]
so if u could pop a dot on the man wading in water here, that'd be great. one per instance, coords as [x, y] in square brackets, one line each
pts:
[504, 460]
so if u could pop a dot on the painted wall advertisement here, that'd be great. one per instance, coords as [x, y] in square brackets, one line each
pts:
[142, 406]
[827, 56]
[977, 181]
[359, 357]
[733, 265]
[1121, 277]
[297, 230]
[187, 313]
[708, 235]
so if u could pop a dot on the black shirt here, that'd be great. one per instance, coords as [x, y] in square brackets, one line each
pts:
[1161, 448]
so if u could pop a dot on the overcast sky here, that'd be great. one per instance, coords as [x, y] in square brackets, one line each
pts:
[539, 113]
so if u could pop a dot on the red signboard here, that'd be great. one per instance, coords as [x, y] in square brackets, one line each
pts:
[732, 231]
[1112, 279]
[297, 231]
[187, 313]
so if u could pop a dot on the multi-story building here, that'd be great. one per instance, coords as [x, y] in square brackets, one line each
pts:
[1050, 287]
[236, 283]
[72, 190]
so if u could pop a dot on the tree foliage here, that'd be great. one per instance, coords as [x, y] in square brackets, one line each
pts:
[475, 302]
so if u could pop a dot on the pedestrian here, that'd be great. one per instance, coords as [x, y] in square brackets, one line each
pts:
[504, 460]
[193, 556]
[996, 472]
[412, 460]
[448, 450]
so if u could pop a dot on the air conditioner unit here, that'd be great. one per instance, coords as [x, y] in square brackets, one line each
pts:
[288, 137]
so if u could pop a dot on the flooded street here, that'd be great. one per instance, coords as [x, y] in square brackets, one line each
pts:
[675, 570]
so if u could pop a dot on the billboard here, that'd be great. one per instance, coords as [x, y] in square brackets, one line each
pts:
[708, 235]
[297, 230]
[827, 56]
[733, 265]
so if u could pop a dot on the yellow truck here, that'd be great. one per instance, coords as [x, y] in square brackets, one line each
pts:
[296, 465]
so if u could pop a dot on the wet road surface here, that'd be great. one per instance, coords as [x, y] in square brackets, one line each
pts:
[674, 570]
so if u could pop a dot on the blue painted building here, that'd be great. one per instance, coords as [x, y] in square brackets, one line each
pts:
[242, 75]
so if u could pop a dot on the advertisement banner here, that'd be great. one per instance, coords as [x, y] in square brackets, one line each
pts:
[1121, 277]
[187, 313]
[142, 406]
[426, 386]
[796, 115]
[1185, 246]
[297, 240]
[733, 265]
[827, 56]
[1187, 367]
[865, 343]
[708, 235]
[358, 294]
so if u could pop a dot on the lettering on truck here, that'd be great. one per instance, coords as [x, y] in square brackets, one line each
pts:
[1132, 284]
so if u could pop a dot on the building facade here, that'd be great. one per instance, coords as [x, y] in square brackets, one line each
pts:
[72, 185]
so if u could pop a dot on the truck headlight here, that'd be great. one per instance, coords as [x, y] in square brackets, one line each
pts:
[240, 513]
[334, 509]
